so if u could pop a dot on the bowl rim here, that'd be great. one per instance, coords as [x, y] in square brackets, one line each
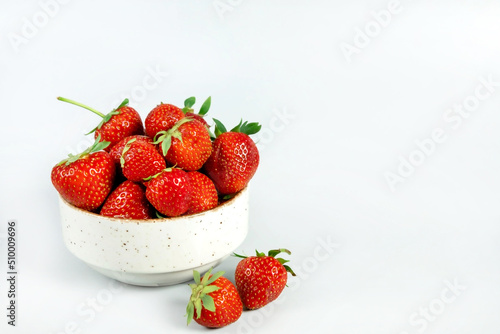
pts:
[156, 220]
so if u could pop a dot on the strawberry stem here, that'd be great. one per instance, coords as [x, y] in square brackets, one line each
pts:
[105, 118]
[81, 105]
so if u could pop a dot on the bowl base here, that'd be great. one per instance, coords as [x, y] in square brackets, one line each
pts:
[158, 279]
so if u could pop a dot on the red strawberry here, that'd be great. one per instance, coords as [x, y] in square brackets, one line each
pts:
[261, 279]
[214, 301]
[204, 196]
[116, 151]
[86, 179]
[189, 102]
[186, 145]
[162, 118]
[128, 201]
[140, 160]
[170, 192]
[234, 158]
[121, 122]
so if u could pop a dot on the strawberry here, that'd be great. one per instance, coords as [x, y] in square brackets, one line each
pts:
[140, 160]
[189, 112]
[128, 201]
[116, 154]
[214, 301]
[162, 118]
[260, 279]
[116, 151]
[85, 179]
[234, 159]
[186, 145]
[121, 122]
[170, 192]
[204, 195]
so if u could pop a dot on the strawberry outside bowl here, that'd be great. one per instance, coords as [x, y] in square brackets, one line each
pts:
[155, 252]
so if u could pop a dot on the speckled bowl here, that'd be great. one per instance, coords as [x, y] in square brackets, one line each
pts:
[155, 252]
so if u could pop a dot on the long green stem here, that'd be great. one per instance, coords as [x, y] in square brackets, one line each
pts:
[81, 105]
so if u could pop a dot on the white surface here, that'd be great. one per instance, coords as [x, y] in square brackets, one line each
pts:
[332, 129]
[159, 251]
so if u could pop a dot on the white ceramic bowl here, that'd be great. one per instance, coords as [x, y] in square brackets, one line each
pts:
[155, 252]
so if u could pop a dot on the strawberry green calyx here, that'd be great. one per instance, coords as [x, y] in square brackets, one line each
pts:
[125, 150]
[169, 169]
[273, 253]
[228, 197]
[159, 215]
[165, 137]
[247, 128]
[242, 127]
[219, 128]
[189, 102]
[96, 147]
[200, 297]
[205, 106]
[105, 118]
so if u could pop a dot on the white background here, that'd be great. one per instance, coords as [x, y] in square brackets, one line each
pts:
[335, 124]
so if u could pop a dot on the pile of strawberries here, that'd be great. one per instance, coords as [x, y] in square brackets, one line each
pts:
[170, 165]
